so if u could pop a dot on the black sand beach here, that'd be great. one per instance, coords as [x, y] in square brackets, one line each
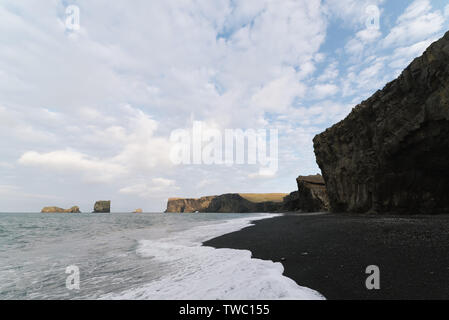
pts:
[329, 253]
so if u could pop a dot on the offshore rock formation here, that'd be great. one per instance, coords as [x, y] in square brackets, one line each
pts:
[138, 211]
[102, 207]
[391, 153]
[74, 209]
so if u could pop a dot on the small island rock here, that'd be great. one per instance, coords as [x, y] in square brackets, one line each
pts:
[102, 206]
[74, 209]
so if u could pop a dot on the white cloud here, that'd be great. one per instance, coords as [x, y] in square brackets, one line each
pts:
[15, 192]
[263, 174]
[376, 61]
[368, 35]
[11, 125]
[416, 10]
[322, 91]
[330, 73]
[7, 165]
[162, 182]
[404, 55]
[352, 12]
[316, 115]
[354, 47]
[73, 161]
[279, 94]
[99, 104]
[157, 187]
[133, 149]
[417, 23]
[446, 11]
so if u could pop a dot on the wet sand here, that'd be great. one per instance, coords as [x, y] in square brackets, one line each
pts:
[330, 253]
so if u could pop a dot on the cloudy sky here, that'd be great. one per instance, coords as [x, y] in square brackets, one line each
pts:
[87, 114]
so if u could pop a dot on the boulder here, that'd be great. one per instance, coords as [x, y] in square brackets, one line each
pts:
[74, 209]
[102, 207]
[390, 155]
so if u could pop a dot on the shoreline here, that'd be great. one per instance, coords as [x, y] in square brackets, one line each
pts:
[329, 253]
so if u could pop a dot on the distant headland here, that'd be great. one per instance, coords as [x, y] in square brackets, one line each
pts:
[310, 197]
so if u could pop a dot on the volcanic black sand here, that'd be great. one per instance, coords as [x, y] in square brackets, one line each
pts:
[329, 253]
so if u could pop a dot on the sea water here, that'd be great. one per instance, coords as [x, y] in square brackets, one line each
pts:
[134, 256]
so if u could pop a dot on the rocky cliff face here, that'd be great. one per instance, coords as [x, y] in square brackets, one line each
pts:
[391, 153]
[74, 209]
[226, 203]
[310, 197]
[102, 207]
[237, 203]
[180, 205]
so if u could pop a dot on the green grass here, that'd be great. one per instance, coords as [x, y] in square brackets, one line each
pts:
[264, 197]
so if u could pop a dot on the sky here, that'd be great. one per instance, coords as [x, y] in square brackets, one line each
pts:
[87, 113]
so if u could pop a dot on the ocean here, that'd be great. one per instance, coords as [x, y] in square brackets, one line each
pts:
[134, 256]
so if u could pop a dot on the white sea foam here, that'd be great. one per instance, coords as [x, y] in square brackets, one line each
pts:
[193, 271]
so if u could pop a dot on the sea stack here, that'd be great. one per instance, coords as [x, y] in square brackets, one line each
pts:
[74, 209]
[102, 206]
[390, 155]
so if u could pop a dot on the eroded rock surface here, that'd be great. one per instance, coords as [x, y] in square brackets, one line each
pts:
[226, 203]
[180, 205]
[311, 197]
[391, 153]
[73, 209]
[102, 207]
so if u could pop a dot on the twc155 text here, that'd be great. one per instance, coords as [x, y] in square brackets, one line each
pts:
[227, 309]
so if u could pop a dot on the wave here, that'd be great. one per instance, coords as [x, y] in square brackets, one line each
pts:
[192, 271]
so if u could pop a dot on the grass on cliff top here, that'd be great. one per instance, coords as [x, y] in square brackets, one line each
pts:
[253, 197]
[264, 197]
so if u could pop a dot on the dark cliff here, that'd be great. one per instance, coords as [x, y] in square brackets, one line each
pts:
[226, 203]
[391, 153]
[312, 194]
[310, 197]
